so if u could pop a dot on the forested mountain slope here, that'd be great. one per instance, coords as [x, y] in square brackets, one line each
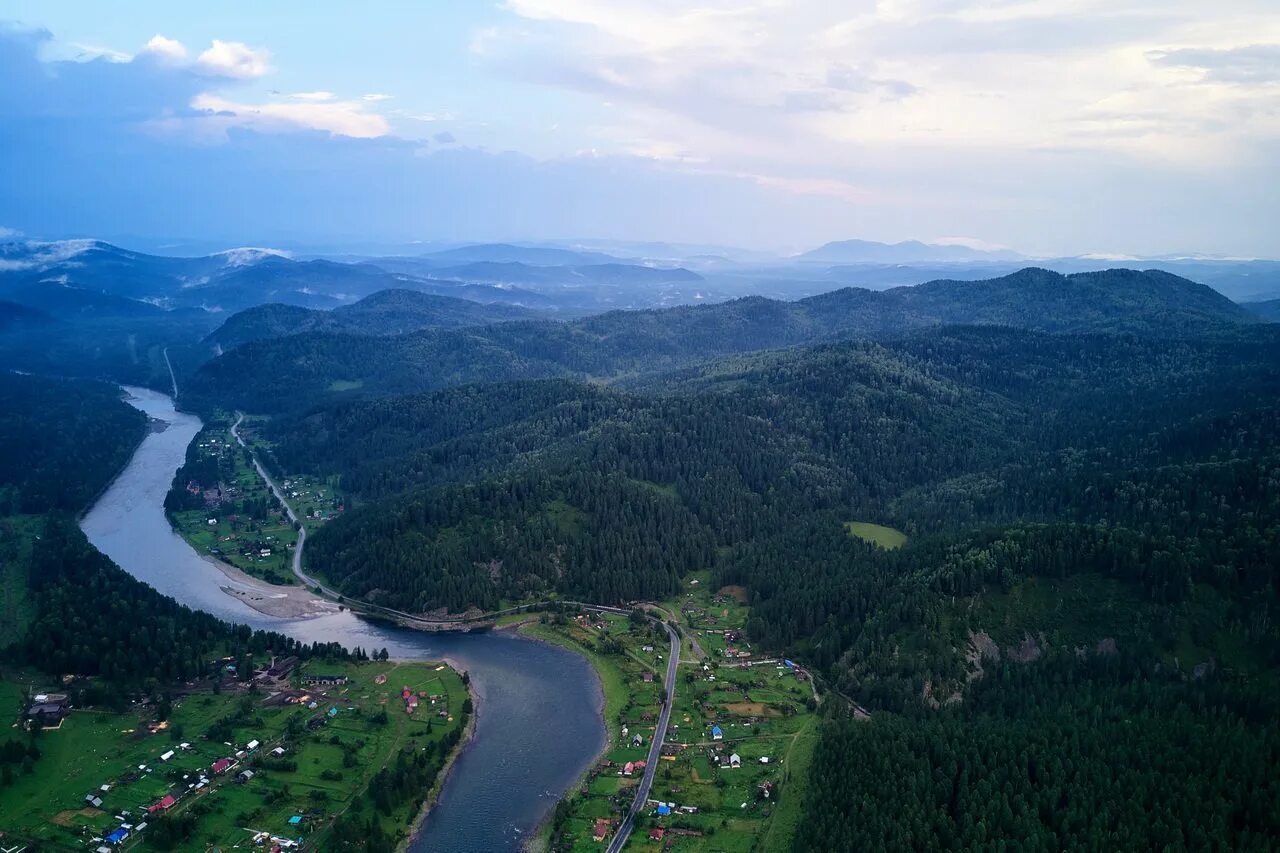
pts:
[292, 374]
[1076, 647]
[388, 312]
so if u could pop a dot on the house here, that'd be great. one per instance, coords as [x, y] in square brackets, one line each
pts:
[325, 680]
[49, 709]
[222, 765]
[280, 669]
[602, 830]
[735, 760]
[245, 776]
[638, 740]
[628, 768]
[663, 809]
[253, 744]
[279, 750]
[96, 802]
[166, 756]
[764, 759]
[657, 832]
[716, 733]
[162, 805]
[118, 836]
[648, 677]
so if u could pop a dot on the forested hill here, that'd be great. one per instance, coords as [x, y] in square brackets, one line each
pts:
[295, 373]
[1076, 645]
[751, 447]
[388, 312]
[63, 441]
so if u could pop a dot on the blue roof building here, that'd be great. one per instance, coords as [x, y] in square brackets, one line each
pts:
[716, 733]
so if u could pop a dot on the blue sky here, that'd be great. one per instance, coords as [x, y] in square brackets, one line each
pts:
[1050, 126]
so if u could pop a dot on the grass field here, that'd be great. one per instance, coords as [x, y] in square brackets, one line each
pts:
[323, 771]
[876, 534]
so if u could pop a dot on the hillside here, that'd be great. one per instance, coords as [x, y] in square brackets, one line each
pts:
[1268, 310]
[289, 375]
[387, 312]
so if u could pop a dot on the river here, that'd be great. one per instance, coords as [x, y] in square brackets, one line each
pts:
[538, 721]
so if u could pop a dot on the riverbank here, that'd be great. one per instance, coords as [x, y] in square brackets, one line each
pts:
[433, 795]
[282, 602]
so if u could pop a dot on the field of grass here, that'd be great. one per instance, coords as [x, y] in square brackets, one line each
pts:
[323, 772]
[876, 534]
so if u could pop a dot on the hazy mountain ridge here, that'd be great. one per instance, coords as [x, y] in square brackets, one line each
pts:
[387, 312]
[623, 343]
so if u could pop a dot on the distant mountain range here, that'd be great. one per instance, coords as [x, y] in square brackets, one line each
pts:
[910, 251]
[388, 312]
[300, 370]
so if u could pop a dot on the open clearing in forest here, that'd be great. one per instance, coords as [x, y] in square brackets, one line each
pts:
[876, 534]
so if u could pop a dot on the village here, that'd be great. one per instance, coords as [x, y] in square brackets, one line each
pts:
[266, 762]
[740, 740]
[227, 511]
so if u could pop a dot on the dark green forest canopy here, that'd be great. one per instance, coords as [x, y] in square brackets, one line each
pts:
[293, 373]
[1077, 646]
[388, 312]
[63, 441]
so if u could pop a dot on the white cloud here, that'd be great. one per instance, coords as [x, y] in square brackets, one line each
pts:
[340, 118]
[375, 96]
[235, 60]
[9, 233]
[314, 97]
[93, 51]
[806, 91]
[170, 50]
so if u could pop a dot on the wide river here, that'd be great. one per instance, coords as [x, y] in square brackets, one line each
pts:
[538, 722]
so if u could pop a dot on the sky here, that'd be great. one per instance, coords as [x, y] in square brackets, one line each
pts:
[1054, 127]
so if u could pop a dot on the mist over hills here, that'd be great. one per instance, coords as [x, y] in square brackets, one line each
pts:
[301, 370]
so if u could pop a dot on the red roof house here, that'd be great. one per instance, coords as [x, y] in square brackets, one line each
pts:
[221, 765]
[602, 829]
[163, 805]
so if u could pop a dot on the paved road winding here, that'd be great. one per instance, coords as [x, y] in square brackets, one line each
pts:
[655, 747]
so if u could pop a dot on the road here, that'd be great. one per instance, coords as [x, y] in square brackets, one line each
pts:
[655, 747]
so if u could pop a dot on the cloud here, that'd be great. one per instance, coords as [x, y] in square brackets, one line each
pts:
[234, 60]
[1249, 64]
[166, 49]
[9, 233]
[445, 138]
[375, 96]
[340, 118]
[313, 96]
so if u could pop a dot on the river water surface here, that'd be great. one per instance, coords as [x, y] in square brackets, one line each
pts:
[538, 722]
